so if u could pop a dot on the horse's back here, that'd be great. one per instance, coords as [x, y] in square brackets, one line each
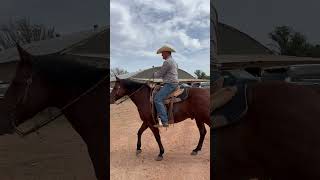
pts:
[285, 118]
[199, 103]
[195, 106]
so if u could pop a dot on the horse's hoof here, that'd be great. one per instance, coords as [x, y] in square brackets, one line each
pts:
[138, 151]
[159, 158]
[194, 153]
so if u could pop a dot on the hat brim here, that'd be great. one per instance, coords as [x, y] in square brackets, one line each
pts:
[164, 49]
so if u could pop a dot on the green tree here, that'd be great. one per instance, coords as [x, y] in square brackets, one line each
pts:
[201, 75]
[117, 71]
[281, 35]
[290, 42]
[293, 43]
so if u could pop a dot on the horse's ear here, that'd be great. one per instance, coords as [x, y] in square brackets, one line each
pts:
[25, 57]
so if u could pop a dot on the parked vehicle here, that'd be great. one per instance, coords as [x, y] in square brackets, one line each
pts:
[306, 75]
[3, 88]
[204, 85]
[201, 84]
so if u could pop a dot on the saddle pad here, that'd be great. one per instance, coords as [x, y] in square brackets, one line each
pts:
[184, 94]
[234, 109]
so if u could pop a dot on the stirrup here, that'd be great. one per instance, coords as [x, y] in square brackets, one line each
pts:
[157, 125]
[165, 125]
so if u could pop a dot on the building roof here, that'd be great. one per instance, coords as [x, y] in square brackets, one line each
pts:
[145, 75]
[253, 60]
[74, 43]
[238, 50]
[232, 41]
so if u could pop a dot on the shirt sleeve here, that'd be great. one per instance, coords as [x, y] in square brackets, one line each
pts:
[164, 68]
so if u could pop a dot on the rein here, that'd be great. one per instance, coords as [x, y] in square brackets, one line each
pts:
[130, 95]
[134, 91]
[44, 123]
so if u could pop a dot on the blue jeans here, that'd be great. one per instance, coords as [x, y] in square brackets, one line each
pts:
[160, 97]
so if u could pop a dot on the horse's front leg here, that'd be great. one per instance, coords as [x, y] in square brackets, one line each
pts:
[202, 131]
[97, 150]
[143, 127]
[156, 134]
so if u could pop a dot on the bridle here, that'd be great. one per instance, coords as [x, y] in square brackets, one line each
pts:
[44, 123]
[117, 103]
[128, 96]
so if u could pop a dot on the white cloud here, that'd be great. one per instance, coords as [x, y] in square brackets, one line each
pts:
[140, 27]
[163, 5]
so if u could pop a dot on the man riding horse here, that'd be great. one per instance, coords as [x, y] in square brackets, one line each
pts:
[169, 75]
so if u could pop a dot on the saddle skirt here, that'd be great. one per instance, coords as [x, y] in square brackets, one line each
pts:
[222, 97]
[229, 101]
[230, 105]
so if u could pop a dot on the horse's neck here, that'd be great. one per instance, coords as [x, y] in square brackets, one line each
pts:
[88, 111]
[59, 97]
[141, 98]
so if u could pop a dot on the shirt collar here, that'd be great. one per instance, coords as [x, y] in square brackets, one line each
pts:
[170, 57]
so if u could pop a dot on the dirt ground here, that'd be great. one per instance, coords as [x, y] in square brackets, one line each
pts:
[178, 142]
[57, 153]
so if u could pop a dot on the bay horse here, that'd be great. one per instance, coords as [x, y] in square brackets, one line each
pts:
[278, 137]
[196, 106]
[53, 81]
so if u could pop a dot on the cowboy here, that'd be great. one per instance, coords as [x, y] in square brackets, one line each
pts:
[169, 75]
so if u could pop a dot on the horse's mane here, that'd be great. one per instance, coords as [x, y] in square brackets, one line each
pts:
[63, 71]
[131, 85]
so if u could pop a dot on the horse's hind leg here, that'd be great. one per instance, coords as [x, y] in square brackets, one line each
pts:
[203, 131]
[143, 127]
[156, 134]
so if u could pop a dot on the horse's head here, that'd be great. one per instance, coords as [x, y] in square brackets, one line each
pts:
[123, 87]
[27, 94]
[118, 91]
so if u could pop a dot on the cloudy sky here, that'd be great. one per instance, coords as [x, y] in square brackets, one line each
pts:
[140, 27]
[258, 17]
[66, 16]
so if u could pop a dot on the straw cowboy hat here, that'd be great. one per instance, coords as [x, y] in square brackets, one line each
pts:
[165, 48]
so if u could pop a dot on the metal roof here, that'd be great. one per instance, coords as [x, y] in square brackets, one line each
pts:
[59, 44]
[124, 76]
[146, 74]
[180, 80]
[232, 41]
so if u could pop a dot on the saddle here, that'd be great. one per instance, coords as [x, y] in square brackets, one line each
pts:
[221, 95]
[178, 95]
[228, 101]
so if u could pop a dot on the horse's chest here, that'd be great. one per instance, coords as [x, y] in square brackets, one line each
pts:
[142, 114]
